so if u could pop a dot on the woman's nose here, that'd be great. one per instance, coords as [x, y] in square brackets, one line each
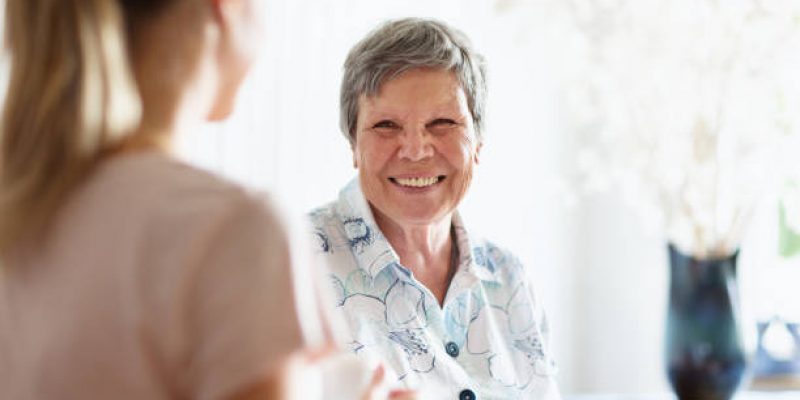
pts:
[415, 145]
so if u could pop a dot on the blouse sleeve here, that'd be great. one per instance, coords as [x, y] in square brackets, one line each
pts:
[547, 365]
[249, 302]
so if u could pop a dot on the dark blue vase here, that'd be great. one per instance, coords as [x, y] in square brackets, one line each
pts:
[704, 343]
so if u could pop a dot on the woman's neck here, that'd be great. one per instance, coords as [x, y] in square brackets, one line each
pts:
[145, 140]
[427, 239]
[426, 250]
[167, 112]
[176, 93]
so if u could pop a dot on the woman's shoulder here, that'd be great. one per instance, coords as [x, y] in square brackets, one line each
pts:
[488, 252]
[498, 260]
[153, 172]
[175, 196]
[326, 217]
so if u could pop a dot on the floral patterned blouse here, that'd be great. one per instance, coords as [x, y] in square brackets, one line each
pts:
[487, 341]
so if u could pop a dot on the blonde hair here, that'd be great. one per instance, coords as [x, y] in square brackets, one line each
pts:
[70, 98]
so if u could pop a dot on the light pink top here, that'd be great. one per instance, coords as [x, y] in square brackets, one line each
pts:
[156, 281]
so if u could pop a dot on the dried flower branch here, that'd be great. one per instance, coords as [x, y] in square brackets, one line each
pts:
[685, 108]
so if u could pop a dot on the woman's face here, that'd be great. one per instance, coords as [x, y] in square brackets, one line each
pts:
[416, 147]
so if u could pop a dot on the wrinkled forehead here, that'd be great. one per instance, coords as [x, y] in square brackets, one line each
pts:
[420, 89]
[379, 79]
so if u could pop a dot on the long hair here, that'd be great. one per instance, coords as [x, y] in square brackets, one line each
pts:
[71, 96]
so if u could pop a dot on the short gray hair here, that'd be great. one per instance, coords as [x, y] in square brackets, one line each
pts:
[400, 45]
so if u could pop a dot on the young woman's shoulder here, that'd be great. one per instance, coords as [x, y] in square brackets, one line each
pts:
[224, 252]
[169, 194]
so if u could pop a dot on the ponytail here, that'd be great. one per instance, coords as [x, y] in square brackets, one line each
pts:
[70, 98]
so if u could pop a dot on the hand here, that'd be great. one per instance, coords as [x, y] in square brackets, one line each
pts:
[300, 376]
[296, 377]
[377, 388]
[403, 394]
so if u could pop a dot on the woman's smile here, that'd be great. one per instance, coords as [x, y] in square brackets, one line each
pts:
[417, 183]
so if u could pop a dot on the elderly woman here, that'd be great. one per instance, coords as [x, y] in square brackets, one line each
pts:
[443, 308]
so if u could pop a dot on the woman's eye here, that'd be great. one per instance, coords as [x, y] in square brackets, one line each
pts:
[385, 124]
[442, 122]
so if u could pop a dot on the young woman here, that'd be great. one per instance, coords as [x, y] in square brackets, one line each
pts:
[127, 274]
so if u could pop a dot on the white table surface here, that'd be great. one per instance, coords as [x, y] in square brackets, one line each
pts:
[792, 395]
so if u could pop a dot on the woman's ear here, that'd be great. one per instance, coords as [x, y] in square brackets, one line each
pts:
[477, 156]
[354, 149]
[226, 11]
[238, 31]
[238, 21]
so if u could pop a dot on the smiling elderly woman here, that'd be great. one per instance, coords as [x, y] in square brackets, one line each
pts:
[441, 307]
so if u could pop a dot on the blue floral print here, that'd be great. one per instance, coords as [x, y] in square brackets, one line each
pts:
[489, 336]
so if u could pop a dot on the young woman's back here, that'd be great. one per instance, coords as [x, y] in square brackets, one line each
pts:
[156, 280]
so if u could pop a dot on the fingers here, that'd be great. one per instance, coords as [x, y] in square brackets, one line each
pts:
[298, 375]
[308, 357]
[402, 394]
[378, 375]
[318, 354]
[375, 388]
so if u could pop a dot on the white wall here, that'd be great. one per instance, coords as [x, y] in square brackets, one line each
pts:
[620, 288]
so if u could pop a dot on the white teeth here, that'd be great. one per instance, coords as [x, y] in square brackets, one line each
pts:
[417, 182]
